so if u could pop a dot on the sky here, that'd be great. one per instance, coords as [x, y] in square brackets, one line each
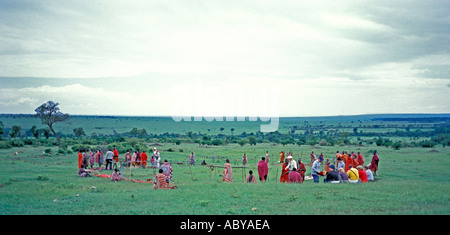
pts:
[225, 58]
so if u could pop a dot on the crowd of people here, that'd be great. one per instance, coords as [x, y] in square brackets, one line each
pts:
[111, 159]
[345, 168]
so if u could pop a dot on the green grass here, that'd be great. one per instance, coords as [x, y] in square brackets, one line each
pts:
[413, 181]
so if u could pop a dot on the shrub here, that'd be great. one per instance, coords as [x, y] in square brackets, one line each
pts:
[5, 145]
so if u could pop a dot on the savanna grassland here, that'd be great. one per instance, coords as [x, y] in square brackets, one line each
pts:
[39, 178]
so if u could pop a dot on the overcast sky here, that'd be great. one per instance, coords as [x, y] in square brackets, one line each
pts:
[225, 58]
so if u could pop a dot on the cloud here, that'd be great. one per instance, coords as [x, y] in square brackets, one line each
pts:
[389, 55]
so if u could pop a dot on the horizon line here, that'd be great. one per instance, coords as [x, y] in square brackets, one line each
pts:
[246, 116]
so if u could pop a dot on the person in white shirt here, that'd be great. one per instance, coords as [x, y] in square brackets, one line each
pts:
[369, 173]
[291, 164]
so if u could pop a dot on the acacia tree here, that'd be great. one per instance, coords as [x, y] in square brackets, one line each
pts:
[49, 114]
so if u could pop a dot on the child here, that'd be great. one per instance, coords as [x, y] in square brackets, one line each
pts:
[116, 176]
[250, 178]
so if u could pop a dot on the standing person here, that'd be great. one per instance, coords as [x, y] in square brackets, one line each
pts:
[250, 177]
[109, 158]
[340, 163]
[85, 159]
[282, 156]
[295, 177]
[267, 157]
[348, 161]
[144, 158]
[99, 158]
[157, 158]
[284, 177]
[227, 172]
[355, 161]
[91, 158]
[291, 164]
[167, 170]
[313, 158]
[128, 158]
[301, 168]
[374, 163]
[133, 158]
[327, 165]
[138, 157]
[116, 155]
[315, 169]
[263, 169]
[244, 159]
[192, 158]
[360, 159]
[80, 159]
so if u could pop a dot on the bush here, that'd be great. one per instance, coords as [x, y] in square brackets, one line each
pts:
[216, 142]
[17, 143]
[5, 145]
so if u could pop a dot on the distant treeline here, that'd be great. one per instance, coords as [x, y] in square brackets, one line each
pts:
[415, 120]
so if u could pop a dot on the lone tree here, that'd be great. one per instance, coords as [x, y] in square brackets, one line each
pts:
[49, 114]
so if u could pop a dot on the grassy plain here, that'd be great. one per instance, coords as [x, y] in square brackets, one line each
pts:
[412, 181]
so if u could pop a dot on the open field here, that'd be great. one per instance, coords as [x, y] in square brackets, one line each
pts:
[413, 173]
[412, 181]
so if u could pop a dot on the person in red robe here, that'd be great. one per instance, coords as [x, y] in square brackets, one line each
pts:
[295, 177]
[284, 173]
[144, 158]
[263, 169]
[348, 162]
[301, 169]
[80, 159]
[355, 162]
[360, 159]
[282, 156]
[374, 163]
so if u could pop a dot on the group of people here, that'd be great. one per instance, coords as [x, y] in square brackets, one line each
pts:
[345, 168]
[111, 158]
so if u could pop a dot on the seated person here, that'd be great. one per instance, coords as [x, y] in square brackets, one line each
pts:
[160, 181]
[332, 175]
[294, 176]
[362, 174]
[369, 174]
[116, 176]
[353, 176]
[250, 178]
[343, 177]
[82, 172]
